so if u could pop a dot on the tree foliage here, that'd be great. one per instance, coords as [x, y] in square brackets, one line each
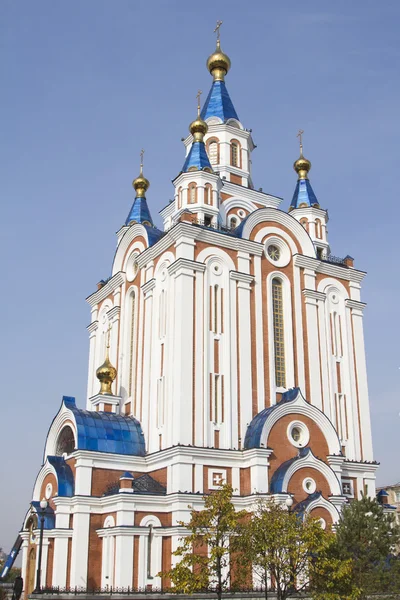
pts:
[369, 536]
[205, 552]
[291, 554]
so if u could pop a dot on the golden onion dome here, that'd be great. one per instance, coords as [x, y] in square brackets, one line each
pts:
[302, 166]
[141, 185]
[106, 374]
[218, 63]
[198, 128]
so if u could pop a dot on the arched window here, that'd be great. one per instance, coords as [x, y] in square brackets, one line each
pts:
[180, 198]
[192, 193]
[279, 333]
[235, 157]
[207, 194]
[213, 153]
[318, 229]
[132, 346]
[304, 222]
[65, 442]
[233, 222]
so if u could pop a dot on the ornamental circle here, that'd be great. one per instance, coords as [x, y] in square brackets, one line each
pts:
[241, 213]
[48, 491]
[132, 267]
[277, 251]
[298, 434]
[309, 485]
[216, 269]
[322, 522]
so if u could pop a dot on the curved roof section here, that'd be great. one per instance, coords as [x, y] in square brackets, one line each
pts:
[218, 103]
[197, 158]
[276, 485]
[139, 212]
[254, 430]
[301, 507]
[65, 477]
[106, 432]
[49, 516]
[303, 194]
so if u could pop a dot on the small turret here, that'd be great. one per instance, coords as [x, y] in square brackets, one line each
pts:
[140, 212]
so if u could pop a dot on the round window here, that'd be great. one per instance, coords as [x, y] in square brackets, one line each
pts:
[298, 434]
[48, 491]
[322, 522]
[274, 252]
[309, 485]
[132, 267]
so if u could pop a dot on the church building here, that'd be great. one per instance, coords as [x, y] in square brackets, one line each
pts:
[225, 347]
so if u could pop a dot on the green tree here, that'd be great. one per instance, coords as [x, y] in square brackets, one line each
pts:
[292, 554]
[369, 536]
[205, 552]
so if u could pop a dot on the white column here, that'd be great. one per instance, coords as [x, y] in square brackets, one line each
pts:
[298, 324]
[123, 560]
[60, 560]
[24, 549]
[91, 390]
[199, 357]
[80, 546]
[148, 289]
[259, 333]
[182, 275]
[361, 374]
[244, 332]
[310, 299]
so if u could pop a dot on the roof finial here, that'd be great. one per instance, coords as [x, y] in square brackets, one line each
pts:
[302, 165]
[141, 184]
[218, 63]
[141, 161]
[106, 373]
[217, 31]
[299, 135]
[198, 95]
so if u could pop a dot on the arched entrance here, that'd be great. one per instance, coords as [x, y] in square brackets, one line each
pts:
[31, 572]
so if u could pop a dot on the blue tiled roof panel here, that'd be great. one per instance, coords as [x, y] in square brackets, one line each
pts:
[65, 477]
[139, 212]
[107, 432]
[218, 103]
[279, 475]
[197, 157]
[303, 194]
[254, 430]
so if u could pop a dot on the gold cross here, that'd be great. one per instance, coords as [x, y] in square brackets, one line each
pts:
[199, 93]
[108, 335]
[219, 23]
[141, 161]
[300, 136]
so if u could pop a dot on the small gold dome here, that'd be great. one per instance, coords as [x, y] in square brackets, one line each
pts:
[141, 185]
[218, 63]
[198, 128]
[106, 374]
[302, 166]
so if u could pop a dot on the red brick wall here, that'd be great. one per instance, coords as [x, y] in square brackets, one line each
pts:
[50, 559]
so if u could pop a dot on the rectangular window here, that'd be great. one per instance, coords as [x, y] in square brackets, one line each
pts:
[279, 337]
[347, 488]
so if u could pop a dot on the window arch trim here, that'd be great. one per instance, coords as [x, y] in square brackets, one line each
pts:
[213, 140]
[238, 162]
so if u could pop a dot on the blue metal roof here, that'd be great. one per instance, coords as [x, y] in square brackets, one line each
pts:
[65, 477]
[139, 212]
[49, 516]
[303, 194]
[301, 507]
[218, 103]
[279, 475]
[107, 432]
[254, 430]
[153, 234]
[197, 158]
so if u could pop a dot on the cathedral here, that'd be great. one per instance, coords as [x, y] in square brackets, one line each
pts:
[225, 347]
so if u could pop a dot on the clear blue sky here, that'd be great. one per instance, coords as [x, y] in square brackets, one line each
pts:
[86, 84]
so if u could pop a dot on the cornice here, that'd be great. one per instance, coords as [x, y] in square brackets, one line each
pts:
[114, 312]
[116, 281]
[242, 277]
[148, 286]
[314, 295]
[93, 326]
[338, 271]
[185, 263]
[240, 191]
[355, 304]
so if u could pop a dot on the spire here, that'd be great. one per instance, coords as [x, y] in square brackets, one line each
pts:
[218, 103]
[139, 212]
[106, 373]
[303, 193]
[197, 159]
